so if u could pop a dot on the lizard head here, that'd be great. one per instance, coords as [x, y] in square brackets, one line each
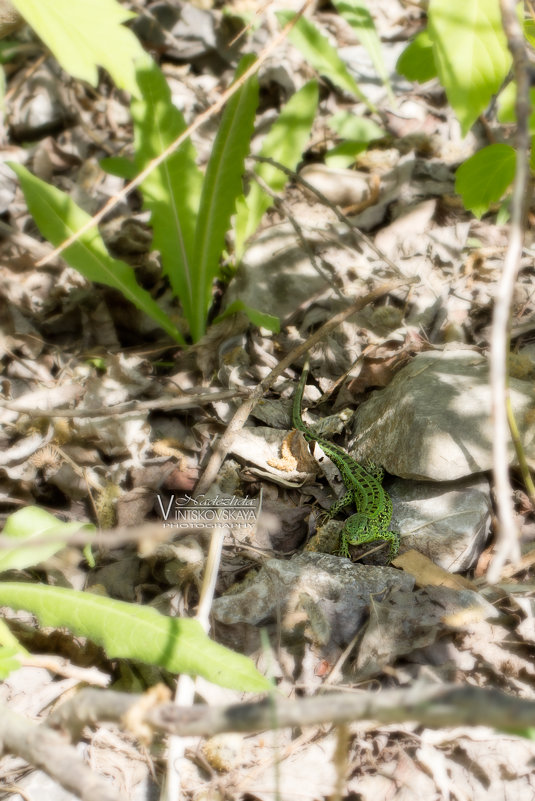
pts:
[354, 530]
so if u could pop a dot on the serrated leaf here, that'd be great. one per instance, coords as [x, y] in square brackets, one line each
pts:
[484, 177]
[58, 217]
[356, 13]
[83, 35]
[470, 51]
[31, 522]
[221, 187]
[417, 62]
[172, 191]
[284, 143]
[258, 318]
[320, 53]
[129, 631]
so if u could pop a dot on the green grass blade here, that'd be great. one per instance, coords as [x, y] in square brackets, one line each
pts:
[58, 217]
[172, 191]
[321, 54]
[129, 631]
[259, 318]
[357, 14]
[222, 186]
[284, 143]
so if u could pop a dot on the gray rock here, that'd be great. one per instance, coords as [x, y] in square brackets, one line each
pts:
[433, 421]
[328, 594]
[449, 523]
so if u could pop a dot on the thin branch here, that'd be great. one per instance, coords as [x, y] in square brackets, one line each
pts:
[507, 542]
[185, 401]
[148, 536]
[358, 235]
[284, 209]
[432, 706]
[47, 750]
[185, 690]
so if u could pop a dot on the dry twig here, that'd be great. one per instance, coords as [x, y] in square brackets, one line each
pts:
[507, 545]
[434, 706]
[47, 750]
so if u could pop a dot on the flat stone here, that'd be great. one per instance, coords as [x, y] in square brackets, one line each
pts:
[433, 421]
[449, 523]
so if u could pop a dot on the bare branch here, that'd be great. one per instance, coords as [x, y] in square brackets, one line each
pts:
[507, 545]
[432, 706]
[47, 750]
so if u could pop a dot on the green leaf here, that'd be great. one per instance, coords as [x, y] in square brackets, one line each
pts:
[9, 661]
[258, 318]
[10, 651]
[504, 212]
[83, 35]
[9, 49]
[33, 522]
[357, 14]
[343, 155]
[58, 217]
[506, 105]
[8, 639]
[120, 166]
[320, 53]
[529, 31]
[358, 129]
[172, 191]
[221, 187]
[471, 54]
[417, 62]
[130, 631]
[284, 143]
[484, 177]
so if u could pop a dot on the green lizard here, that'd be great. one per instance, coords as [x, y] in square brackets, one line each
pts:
[364, 489]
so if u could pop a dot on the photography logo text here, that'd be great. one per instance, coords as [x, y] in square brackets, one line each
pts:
[201, 511]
